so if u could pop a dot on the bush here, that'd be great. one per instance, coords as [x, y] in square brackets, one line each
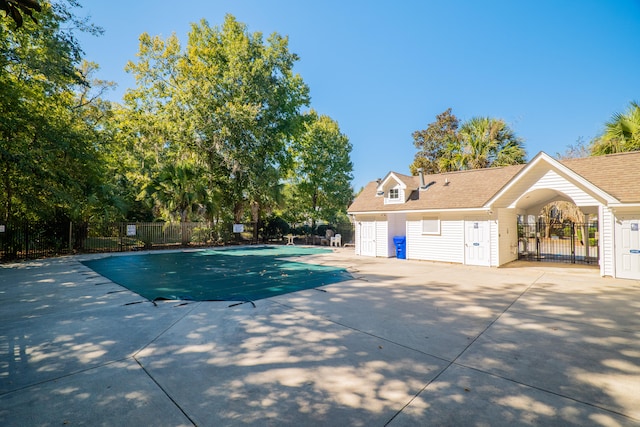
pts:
[201, 235]
[321, 230]
[275, 228]
[222, 232]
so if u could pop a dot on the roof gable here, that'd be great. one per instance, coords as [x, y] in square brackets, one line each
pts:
[393, 178]
[545, 168]
[403, 183]
[612, 179]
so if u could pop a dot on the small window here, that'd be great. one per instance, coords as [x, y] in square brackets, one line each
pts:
[430, 226]
[394, 194]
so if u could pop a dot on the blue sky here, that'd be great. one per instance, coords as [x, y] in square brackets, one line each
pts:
[555, 71]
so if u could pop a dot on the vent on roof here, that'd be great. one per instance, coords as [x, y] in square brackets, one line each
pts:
[379, 193]
[424, 187]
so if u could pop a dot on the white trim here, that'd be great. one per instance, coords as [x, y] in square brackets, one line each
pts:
[430, 233]
[418, 211]
[394, 200]
[540, 157]
[619, 205]
[395, 178]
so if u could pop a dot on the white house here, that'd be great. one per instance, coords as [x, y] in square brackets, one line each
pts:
[475, 217]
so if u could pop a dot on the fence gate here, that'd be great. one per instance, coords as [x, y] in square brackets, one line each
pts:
[567, 242]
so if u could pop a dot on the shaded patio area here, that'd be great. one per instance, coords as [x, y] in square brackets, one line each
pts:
[402, 343]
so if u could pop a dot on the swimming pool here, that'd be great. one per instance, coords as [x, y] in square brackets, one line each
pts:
[229, 274]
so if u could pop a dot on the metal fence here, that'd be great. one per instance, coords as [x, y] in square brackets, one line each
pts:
[567, 242]
[30, 240]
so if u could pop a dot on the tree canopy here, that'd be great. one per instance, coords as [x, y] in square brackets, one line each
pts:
[480, 142]
[322, 174]
[622, 133]
[50, 157]
[15, 8]
[214, 128]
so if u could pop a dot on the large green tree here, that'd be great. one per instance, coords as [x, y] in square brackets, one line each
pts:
[231, 97]
[50, 147]
[480, 142]
[436, 144]
[321, 179]
[622, 133]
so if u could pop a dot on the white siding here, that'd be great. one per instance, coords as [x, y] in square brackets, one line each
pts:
[494, 227]
[506, 235]
[356, 236]
[607, 242]
[552, 180]
[544, 177]
[448, 246]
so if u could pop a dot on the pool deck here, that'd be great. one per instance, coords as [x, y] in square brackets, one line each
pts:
[404, 343]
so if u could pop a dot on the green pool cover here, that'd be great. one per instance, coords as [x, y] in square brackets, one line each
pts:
[242, 274]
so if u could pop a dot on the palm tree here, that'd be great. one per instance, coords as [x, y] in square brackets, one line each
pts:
[622, 133]
[178, 190]
[488, 142]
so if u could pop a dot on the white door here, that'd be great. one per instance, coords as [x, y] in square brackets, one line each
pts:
[477, 243]
[628, 247]
[368, 238]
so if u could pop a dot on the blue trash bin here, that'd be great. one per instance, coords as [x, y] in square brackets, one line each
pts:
[401, 246]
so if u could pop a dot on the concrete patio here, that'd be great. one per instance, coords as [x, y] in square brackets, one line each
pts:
[404, 343]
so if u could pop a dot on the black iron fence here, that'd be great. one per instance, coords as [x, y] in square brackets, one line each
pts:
[566, 242]
[30, 240]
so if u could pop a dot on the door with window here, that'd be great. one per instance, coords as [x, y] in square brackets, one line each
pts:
[627, 243]
[368, 238]
[477, 243]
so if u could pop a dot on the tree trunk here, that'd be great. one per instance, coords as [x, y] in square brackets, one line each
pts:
[8, 194]
[314, 206]
[255, 216]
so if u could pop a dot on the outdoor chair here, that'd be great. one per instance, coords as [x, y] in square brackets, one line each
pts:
[328, 237]
[336, 240]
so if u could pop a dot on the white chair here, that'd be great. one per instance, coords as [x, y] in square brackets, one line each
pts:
[336, 240]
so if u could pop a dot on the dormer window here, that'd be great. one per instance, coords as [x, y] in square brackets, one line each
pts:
[394, 195]
[393, 189]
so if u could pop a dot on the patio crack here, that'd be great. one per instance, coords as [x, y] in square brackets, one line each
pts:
[151, 377]
[452, 362]
[166, 393]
